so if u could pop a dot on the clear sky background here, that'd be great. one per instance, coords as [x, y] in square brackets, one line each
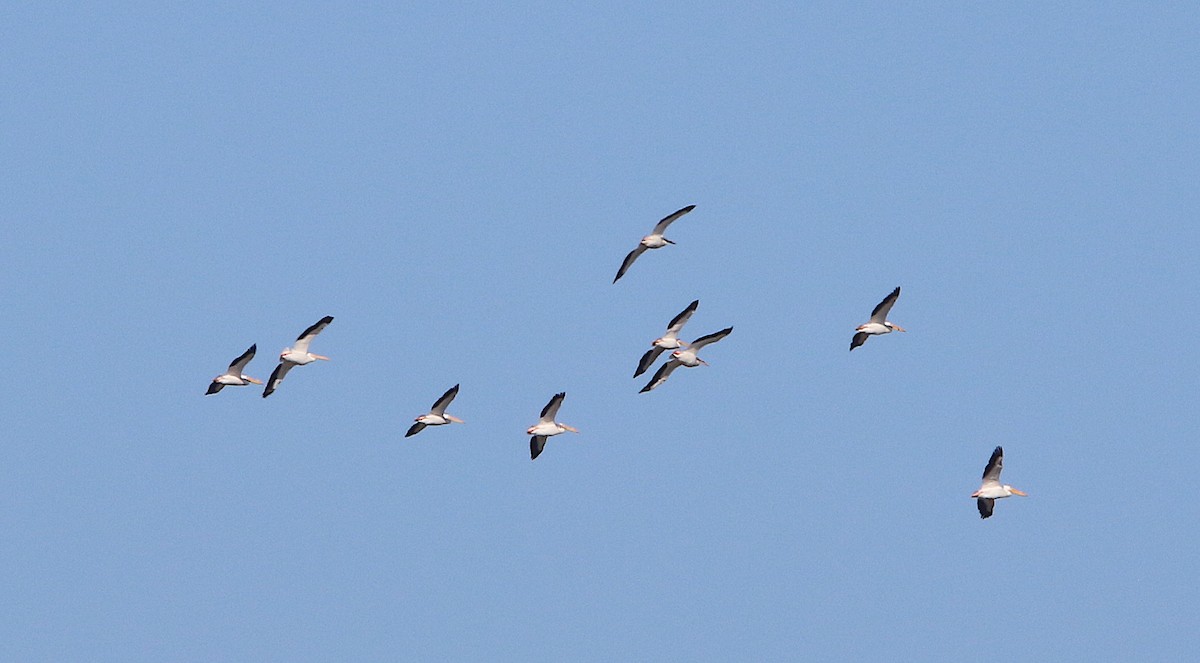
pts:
[457, 185]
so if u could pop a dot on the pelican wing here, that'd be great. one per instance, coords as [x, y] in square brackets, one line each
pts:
[536, 444]
[647, 359]
[439, 407]
[214, 388]
[711, 338]
[985, 504]
[414, 429]
[277, 376]
[633, 255]
[551, 410]
[991, 473]
[881, 311]
[302, 341]
[661, 226]
[859, 339]
[661, 375]
[680, 320]
[239, 364]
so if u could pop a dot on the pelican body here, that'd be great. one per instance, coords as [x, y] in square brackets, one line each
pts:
[233, 377]
[684, 357]
[668, 341]
[655, 240]
[879, 323]
[437, 414]
[547, 426]
[297, 355]
[991, 489]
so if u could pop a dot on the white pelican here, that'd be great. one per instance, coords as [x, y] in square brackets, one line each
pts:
[234, 377]
[297, 355]
[437, 414]
[992, 489]
[684, 358]
[879, 323]
[654, 240]
[668, 341]
[547, 426]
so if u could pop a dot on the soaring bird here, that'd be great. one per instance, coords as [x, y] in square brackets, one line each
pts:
[668, 341]
[547, 426]
[654, 240]
[437, 414]
[297, 355]
[879, 323]
[991, 489]
[233, 377]
[684, 358]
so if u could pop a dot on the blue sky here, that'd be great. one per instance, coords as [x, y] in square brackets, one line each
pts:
[457, 185]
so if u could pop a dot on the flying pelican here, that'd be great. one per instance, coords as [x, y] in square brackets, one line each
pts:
[654, 240]
[233, 377]
[437, 414]
[992, 489]
[684, 358]
[669, 340]
[547, 426]
[297, 355]
[878, 323]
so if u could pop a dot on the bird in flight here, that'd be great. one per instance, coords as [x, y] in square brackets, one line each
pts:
[234, 376]
[547, 426]
[654, 240]
[878, 323]
[992, 489]
[297, 355]
[437, 414]
[684, 357]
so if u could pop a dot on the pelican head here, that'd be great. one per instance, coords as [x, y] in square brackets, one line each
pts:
[668, 241]
[327, 358]
[1014, 491]
[455, 419]
[895, 327]
[570, 428]
[247, 378]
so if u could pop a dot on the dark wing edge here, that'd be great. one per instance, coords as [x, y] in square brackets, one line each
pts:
[667, 220]
[316, 327]
[659, 378]
[244, 358]
[414, 429]
[214, 388]
[887, 301]
[557, 397]
[647, 359]
[445, 399]
[536, 444]
[996, 463]
[684, 313]
[859, 339]
[985, 504]
[633, 255]
[273, 382]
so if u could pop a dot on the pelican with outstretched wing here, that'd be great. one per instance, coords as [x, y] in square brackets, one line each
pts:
[234, 376]
[654, 240]
[547, 426]
[879, 323]
[668, 341]
[437, 414]
[684, 357]
[297, 355]
[992, 489]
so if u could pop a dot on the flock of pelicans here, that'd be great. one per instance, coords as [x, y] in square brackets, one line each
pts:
[683, 354]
